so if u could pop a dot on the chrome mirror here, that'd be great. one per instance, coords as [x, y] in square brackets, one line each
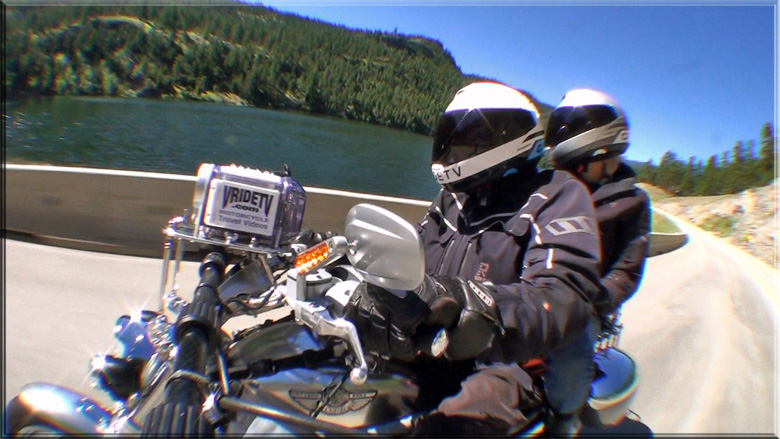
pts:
[384, 247]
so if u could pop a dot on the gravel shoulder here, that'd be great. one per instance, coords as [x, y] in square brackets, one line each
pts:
[747, 220]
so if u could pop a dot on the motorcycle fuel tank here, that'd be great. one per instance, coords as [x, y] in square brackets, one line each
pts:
[323, 390]
[324, 394]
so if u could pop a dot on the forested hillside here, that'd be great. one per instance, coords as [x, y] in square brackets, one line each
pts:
[246, 54]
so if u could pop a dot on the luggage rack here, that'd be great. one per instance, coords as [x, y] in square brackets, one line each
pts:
[179, 230]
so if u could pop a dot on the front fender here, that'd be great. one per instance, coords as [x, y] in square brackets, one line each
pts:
[55, 406]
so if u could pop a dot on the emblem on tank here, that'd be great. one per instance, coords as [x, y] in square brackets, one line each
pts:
[337, 401]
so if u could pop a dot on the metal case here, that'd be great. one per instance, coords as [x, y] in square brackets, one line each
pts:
[247, 205]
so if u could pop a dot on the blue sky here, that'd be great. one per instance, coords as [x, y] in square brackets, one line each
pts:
[692, 79]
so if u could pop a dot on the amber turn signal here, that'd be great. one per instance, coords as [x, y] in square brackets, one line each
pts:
[312, 257]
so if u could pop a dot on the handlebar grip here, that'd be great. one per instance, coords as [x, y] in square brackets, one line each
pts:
[180, 415]
[196, 336]
[173, 419]
[203, 311]
[201, 314]
[193, 350]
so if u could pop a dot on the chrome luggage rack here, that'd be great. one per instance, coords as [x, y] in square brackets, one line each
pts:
[179, 229]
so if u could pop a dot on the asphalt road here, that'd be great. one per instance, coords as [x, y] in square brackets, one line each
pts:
[702, 328]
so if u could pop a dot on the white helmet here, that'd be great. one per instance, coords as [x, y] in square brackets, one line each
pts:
[586, 125]
[487, 129]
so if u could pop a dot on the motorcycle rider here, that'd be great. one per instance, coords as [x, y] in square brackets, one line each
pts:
[587, 135]
[511, 258]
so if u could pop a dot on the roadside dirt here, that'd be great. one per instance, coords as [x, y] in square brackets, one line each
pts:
[747, 220]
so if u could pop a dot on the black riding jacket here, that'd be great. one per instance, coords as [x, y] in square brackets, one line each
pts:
[534, 238]
[623, 215]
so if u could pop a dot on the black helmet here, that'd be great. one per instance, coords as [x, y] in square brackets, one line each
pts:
[586, 125]
[487, 129]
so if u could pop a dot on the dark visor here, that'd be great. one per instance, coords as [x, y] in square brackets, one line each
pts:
[466, 133]
[567, 122]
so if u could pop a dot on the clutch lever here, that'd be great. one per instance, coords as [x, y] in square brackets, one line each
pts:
[319, 319]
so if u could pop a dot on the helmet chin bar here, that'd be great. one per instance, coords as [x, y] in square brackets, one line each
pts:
[471, 184]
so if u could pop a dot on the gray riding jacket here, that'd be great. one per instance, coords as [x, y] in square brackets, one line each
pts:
[535, 240]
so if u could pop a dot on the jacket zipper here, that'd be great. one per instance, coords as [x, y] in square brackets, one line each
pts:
[463, 261]
[444, 256]
[447, 262]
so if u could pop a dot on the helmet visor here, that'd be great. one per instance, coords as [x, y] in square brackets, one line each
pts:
[463, 134]
[567, 122]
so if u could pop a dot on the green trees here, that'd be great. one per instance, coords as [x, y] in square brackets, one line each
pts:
[733, 172]
[765, 168]
[707, 183]
[267, 58]
[686, 181]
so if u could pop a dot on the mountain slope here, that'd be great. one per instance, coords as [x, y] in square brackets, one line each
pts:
[245, 54]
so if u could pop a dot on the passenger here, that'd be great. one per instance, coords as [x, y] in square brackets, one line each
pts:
[511, 258]
[588, 133]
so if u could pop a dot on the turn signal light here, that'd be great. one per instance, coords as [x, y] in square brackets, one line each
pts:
[311, 257]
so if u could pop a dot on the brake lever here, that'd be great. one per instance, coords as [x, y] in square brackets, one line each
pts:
[319, 319]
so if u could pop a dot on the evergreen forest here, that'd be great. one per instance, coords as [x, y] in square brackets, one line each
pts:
[744, 167]
[258, 56]
[248, 54]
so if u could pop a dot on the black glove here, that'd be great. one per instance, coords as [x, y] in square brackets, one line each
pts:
[467, 311]
[387, 321]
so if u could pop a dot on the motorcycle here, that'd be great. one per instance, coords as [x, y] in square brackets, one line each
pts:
[303, 369]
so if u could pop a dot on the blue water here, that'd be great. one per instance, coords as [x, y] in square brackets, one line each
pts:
[174, 136]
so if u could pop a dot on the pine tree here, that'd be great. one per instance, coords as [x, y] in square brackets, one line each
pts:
[707, 183]
[768, 153]
[738, 174]
[686, 184]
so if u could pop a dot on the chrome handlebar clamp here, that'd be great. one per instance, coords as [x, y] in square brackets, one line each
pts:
[179, 232]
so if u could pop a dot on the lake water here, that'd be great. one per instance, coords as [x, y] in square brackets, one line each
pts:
[174, 136]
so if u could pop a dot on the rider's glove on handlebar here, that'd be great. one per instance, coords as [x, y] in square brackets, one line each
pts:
[387, 321]
[467, 311]
[399, 324]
